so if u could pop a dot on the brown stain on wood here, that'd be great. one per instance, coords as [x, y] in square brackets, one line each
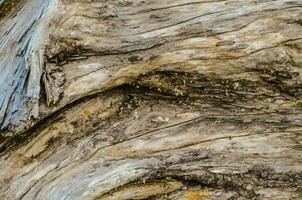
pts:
[9, 7]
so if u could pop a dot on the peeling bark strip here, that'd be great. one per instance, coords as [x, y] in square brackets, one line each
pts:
[174, 99]
[22, 59]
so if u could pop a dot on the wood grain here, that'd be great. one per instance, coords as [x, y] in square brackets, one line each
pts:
[130, 99]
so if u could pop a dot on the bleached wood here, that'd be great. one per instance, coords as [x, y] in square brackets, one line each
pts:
[128, 99]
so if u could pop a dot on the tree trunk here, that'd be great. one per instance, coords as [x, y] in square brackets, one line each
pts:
[157, 99]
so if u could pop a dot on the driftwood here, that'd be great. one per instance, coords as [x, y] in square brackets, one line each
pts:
[157, 99]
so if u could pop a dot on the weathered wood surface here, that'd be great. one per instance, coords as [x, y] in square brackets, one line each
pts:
[175, 99]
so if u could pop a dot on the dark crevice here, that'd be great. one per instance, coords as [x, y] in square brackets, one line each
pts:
[24, 137]
[174, 6]
[179, 88]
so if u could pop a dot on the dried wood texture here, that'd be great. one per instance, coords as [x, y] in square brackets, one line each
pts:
[128, 99]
